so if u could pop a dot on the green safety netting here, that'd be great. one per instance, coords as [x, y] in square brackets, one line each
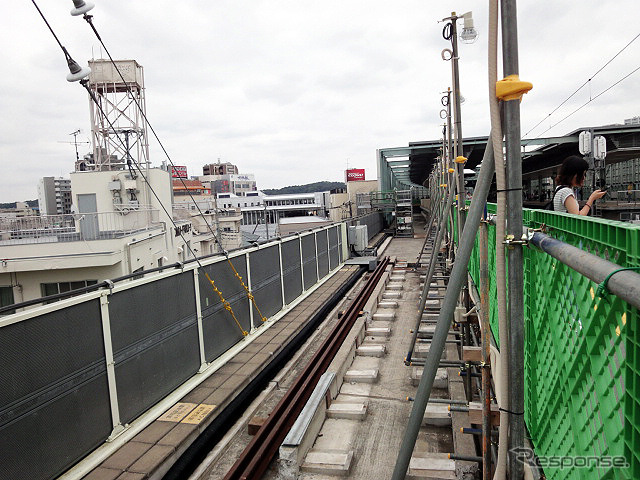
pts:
[582, 352]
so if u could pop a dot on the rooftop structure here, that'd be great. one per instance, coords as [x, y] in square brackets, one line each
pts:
[225, 168]
[121, 137]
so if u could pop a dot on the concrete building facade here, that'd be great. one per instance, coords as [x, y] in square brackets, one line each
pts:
[54, 196]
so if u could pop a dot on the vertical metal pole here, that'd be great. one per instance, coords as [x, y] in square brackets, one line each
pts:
[196, 293]
[462, 204]
[458, 276]
[284, 300]
[301, 263]
[514, 232]
[432, 267]
[483, 244]
[111, 369]
[248, 264]
[315, 241]
[426, 239]
[457, 117]
[328, 252]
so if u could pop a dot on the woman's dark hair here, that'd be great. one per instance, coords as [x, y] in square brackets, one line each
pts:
[572, 166]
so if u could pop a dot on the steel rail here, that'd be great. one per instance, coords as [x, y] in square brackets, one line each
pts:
[256, 457]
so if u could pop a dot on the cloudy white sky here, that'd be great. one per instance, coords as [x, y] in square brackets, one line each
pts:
[293, 91]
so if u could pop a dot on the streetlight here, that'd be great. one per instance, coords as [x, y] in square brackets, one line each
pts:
[469, 34]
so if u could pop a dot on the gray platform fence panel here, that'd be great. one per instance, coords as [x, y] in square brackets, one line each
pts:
[291, 267]
[323, 253]
[310, 265]
[374, 222]
[56, 389]
[220, 330]
[266, 283]
[334, 254]
[52, 380]
[155, 338]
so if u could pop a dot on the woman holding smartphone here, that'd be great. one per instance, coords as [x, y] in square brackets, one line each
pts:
[571, 175]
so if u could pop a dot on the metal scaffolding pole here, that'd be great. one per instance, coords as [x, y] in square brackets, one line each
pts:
[432, 267]
[514, 236]
[458, 276]
[483, 244]
[622, 283]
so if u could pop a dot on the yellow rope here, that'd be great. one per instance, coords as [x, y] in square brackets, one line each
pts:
[246, 289]
[226, 304]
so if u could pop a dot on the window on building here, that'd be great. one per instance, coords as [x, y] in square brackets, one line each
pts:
[63, 287]
[6, 299]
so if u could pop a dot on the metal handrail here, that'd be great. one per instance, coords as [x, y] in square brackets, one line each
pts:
[126, 220]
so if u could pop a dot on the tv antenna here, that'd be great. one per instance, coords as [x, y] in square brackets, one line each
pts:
[75, 142]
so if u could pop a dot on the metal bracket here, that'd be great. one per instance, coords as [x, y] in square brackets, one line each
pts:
[511, 242]
[117, 431]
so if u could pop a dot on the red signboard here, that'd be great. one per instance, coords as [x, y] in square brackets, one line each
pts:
[179, 171]
[355, 175]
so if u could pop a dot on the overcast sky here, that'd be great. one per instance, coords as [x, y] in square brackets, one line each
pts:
[293, 91]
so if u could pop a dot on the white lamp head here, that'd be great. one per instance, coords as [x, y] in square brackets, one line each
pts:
[469, 34]
[81, 7]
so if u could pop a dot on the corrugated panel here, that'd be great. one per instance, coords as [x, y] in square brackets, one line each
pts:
[291, 270]
[52, 380]
[155, 341]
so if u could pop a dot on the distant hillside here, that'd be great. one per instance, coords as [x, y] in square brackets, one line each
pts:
[308, 188]
[31, 203]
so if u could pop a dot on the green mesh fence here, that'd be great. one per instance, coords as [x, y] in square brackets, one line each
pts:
[582, 352]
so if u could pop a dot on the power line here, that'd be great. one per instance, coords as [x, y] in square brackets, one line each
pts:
[89, 20]
[581, 86]
[75, 69]
[84, 83]
[77, 73]
[583, 105]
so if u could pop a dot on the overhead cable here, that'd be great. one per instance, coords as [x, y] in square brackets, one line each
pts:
[581, 86]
